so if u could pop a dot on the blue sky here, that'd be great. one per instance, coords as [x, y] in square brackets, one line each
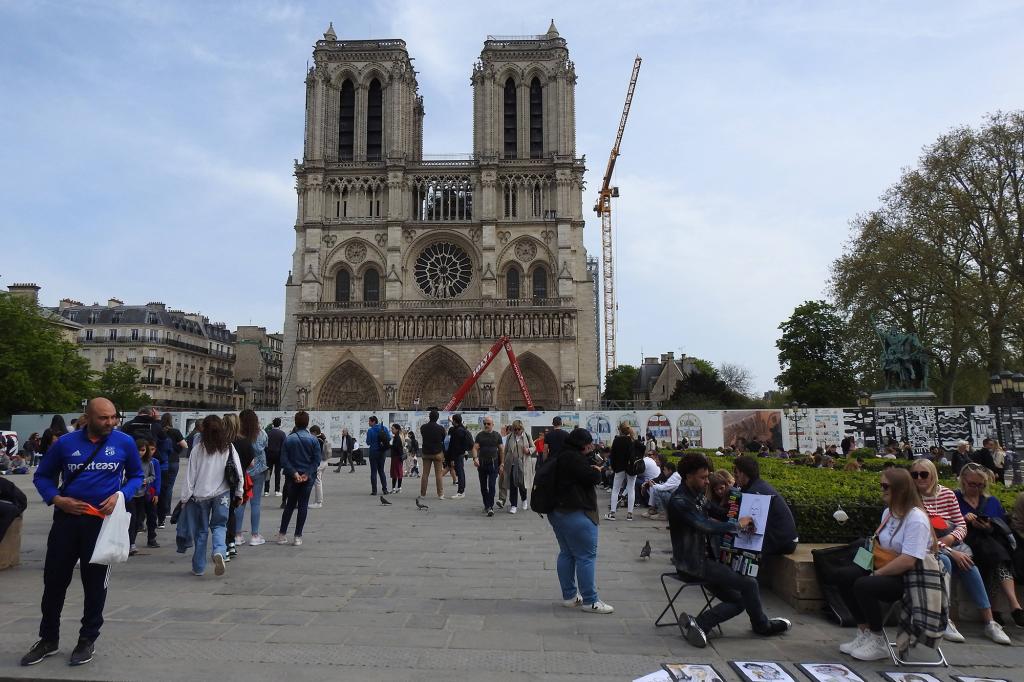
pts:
[146, 147]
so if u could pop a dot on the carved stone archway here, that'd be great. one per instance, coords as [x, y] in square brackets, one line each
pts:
[539, 379]
[349, 387]
[434, 377]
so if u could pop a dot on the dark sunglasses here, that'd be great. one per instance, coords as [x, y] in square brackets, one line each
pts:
[919, 474]
[884, 486]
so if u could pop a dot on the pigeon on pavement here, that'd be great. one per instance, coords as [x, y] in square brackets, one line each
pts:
[383, 500]
[645, 553]
[419, 506]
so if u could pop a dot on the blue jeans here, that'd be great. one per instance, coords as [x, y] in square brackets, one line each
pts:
[972, 581]
[377, 470]
[211, 517]
[577, 542]
[488, 474]
[255, 505]
[659, 499]
[298, 497]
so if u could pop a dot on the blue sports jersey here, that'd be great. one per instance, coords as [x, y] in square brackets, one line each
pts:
[116, 467]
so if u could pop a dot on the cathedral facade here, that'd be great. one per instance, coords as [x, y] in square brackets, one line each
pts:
[407, 268]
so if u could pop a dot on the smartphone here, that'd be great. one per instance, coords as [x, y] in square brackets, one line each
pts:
[982, 517]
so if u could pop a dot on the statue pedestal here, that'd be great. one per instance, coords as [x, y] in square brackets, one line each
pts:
[905, 397]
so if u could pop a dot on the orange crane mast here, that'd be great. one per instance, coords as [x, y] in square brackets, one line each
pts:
[603, 208]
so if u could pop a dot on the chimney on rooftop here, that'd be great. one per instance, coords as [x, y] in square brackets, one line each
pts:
[26, 292]
[114, 302]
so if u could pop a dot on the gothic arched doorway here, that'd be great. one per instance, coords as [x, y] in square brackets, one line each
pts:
[434, 377]
[349, 387]
[539, 379]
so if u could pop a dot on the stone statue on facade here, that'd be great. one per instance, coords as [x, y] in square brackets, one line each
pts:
[904, 359]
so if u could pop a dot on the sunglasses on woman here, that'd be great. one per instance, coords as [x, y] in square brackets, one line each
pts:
[923, 475]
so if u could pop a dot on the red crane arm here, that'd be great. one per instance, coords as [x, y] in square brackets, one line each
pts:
[483, 365]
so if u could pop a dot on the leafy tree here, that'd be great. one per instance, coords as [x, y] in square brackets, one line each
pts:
[39, 371]
[943, 257]
[618, 383]
[705, 389]
[120, 384]
[812, 354]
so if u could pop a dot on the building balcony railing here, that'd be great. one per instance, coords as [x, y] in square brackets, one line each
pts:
[442, 304]
[155, 381]
[152, 360]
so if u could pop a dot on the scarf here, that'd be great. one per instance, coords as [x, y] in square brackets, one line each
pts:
[924, 609]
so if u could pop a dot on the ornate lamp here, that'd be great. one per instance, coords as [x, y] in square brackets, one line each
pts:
[995, 385]
[863, 400]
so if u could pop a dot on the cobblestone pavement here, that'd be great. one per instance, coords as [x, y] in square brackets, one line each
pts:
[392, 593]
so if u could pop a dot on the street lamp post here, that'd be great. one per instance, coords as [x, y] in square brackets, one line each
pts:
[795, 412]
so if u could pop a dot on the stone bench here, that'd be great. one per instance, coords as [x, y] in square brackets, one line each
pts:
[10, 546]
[792, 578]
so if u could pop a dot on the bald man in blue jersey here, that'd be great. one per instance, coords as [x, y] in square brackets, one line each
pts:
[93, 465]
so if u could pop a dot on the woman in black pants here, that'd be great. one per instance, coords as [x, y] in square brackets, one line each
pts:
[904, 531]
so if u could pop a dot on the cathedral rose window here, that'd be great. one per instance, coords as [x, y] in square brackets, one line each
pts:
[443, 270]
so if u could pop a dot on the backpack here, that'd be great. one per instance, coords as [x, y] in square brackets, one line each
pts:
[382, 438]
[826, 563]
[543, 495]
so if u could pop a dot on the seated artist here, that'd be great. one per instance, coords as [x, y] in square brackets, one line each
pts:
[695, 539]
[780, 535]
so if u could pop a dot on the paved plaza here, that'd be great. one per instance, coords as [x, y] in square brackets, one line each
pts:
[390, 593]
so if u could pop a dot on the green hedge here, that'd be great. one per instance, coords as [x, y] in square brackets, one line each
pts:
[815, 494]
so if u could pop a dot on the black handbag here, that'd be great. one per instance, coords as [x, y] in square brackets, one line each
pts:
[176, 514]
[826, 561]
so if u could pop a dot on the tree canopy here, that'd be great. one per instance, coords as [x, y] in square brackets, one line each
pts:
[119, 383]
[812, 354]
[943, 258]
[39, 371]
[618, 383]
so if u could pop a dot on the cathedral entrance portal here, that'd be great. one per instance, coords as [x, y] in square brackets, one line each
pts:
[349, 387]
[539, 379]
[433, 378]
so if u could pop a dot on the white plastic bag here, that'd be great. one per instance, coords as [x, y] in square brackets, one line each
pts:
[112, 542]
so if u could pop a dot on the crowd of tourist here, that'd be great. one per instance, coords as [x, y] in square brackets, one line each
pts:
[966, 534]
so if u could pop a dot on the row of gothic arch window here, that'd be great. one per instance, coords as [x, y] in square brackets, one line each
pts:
[371, 284]
[375, 120]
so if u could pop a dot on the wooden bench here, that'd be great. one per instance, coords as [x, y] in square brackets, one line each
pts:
[10, 546]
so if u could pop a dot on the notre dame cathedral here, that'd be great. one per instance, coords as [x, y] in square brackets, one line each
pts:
[407, 267]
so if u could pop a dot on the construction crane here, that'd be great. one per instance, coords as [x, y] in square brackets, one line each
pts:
[603, 208]
[482, 365]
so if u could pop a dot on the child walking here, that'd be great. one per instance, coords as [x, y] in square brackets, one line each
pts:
[143, 504]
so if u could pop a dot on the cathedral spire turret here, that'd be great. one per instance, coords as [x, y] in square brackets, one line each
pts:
[552, 31]
[329, 34]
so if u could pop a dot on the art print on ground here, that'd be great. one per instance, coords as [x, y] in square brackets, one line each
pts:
[829, 672]
[692, 672]
[909, 677]
[761, 671]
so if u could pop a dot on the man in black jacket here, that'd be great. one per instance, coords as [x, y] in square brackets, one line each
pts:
[459, 442]
[780, 535]
[695, 539]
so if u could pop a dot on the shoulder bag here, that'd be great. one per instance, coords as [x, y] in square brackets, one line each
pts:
[880, 555]
[66, 480]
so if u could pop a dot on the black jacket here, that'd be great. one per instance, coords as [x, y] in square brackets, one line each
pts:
[622, 453]
[780, 533]
[689, 526]
[576, 481]
[983, 456]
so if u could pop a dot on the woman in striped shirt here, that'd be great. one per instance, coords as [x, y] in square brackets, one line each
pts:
[944, 510]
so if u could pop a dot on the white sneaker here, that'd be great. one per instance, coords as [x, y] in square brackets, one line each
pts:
[266, 493]
[298, 541]
[458, 496]
[281, 539]
[513, 509]
[855, 642]
[598, 607]
[257, 540]
[994, 631]
[874, 648]
[572, 603]
[218, 564]
[277, 494]
[610, 516]
[526, 506]
[952, 634]
[315, 505]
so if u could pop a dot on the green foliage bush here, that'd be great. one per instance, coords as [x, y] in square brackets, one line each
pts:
[815, 494]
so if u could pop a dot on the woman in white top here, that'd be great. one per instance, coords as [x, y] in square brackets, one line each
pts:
[206, 492]
[906, 532]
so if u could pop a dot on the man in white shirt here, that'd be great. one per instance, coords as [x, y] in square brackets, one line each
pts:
[660, 492]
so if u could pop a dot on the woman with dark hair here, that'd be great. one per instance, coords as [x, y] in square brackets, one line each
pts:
[905, 533]
[169, 475]
[207, 494]
[575, 521]
[233, 429]
[397, 458]
[256, 437]
[57, 429]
